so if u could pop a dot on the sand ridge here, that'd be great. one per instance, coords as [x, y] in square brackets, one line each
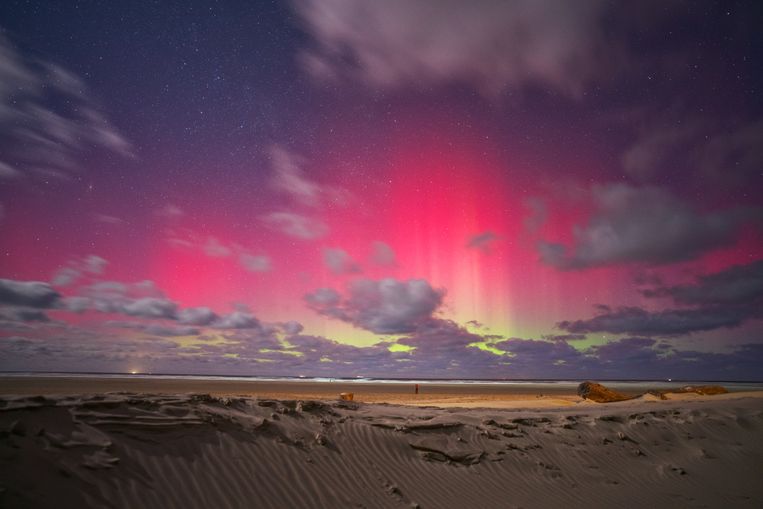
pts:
[196, 450]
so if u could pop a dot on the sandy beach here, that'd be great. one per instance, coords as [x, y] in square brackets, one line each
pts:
[128, 442]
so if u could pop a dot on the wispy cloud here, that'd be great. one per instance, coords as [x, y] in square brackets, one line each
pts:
[48, 118]
[491, 46]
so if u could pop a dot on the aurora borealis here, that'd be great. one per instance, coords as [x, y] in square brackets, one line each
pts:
[433, 189]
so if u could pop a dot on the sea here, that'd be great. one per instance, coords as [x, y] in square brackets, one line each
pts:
[730, 385]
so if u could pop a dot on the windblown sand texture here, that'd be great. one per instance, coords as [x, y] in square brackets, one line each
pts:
[185, 451]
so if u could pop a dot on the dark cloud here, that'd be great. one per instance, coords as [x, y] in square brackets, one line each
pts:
[725, 299]
[33, 294]
[739, 284]
[539, 354]
[156, 329]
[491, 46]
[11, 315]
[643, 225]
[630, 351]
[564, 337]
[383, 254]
[727, 148]
[296, 225]
[655, 147]
[339, 262]
[670, 322]
[440, 337]
[387, 306]
[161, 330]
[482, 241]
[142, 299]
[444, 348]
[734, 154]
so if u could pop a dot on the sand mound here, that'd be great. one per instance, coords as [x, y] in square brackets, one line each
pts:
[197, 451]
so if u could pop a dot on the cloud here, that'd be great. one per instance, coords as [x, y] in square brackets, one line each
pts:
[289, 178]
[727, 298]
[537, 216]
[339, 262]
[255, 263]
[633, 350]
[647, 155]
[387, 306]
[327, 302]
[91, 264]
[727, 149]
[8, 172]
[150, 307]
[187, 239]
[142, 299]
[65, 276]
[33, 294]
[107, 219]
[482, 241]
[643, 225]
[214, 249]
[47, 118]
[537, 353]
[197, 316]
[563, 337]
[734, 153]
[160, 330]
[736, 285]
[383, 254]
[170, 211]
[156, 329]
[439, 337]
[671, 322]
[15, 315]
[296, 225]
[490, 46]
[94, 264]
[237, 320]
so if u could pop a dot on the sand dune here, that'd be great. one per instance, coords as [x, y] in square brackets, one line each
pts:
[141, 450]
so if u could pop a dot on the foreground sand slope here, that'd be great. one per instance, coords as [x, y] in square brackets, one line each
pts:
[140, 450]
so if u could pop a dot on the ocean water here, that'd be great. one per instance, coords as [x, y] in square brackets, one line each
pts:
[623, 385]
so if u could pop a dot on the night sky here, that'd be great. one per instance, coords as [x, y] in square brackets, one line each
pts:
[446, 189]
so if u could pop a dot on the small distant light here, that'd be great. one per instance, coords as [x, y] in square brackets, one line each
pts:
[670, 379]
[133, 372]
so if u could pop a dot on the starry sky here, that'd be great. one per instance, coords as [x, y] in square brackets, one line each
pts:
[430, 189]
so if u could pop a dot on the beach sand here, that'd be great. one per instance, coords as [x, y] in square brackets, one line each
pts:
[131, 442]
